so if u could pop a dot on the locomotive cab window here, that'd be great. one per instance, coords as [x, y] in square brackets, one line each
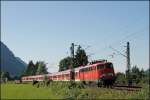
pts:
[109, 65]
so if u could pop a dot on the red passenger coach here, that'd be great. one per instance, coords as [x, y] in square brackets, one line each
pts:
[100, 71]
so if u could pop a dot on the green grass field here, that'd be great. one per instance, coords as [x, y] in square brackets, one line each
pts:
[61, 91]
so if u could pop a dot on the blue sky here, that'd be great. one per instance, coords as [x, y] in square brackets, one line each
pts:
[37, 30]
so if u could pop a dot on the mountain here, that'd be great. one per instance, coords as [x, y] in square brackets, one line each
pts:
[9, 63]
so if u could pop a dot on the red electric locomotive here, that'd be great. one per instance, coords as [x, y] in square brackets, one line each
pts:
[100, 71]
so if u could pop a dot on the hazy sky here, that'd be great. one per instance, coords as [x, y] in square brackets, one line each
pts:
[44, 30]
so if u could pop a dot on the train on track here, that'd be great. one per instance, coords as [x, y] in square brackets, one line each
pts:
[99, 71]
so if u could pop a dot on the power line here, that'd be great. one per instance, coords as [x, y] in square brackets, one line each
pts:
[126, 26]
[130, 35]
[117, 51]
[123, 39]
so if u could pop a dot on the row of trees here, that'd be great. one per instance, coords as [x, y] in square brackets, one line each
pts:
[5, 76]
[80, 59]
[38, 68]
[137, 76]
[32, 69]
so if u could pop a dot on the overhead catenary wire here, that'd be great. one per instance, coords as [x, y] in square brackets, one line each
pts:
[117, 51]
[126, 27]
[122, 40]
[129, 36]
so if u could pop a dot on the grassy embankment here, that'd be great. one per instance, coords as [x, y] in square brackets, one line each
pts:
[59, 90]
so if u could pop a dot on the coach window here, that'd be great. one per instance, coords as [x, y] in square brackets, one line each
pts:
[93, 68]
[90, 68]
[82, 70]
[86, 69]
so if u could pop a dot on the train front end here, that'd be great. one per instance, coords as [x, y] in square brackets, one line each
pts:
[106, 73]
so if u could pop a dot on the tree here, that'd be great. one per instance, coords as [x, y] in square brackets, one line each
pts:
[139, 76]
[5, 76]
[36, 67]
[146, 76]
[80, 58]
[135, 69]
[30, 69]
[135, 74]
[41, 68]
[120, 78]
[64, 64]
[142, 73]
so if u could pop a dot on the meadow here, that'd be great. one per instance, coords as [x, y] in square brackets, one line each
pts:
[60, 90]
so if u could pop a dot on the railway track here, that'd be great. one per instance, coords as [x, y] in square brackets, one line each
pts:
[119, 87]
[125, 87]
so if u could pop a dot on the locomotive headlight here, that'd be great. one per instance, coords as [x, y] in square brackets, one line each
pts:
[104, 74]
[110, 74]
[107, 74]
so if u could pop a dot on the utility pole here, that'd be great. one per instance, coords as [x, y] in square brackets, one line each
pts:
[72, 62]
[127, 56]
[128, 76]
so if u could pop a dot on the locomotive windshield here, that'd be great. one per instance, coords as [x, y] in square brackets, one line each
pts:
[102, 66]
[109, 65]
